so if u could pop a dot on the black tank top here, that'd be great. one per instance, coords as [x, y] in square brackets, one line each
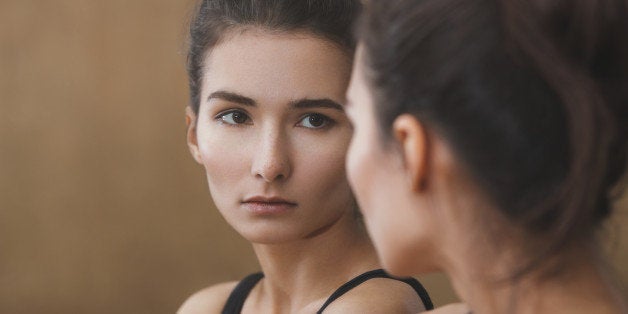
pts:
[238, 295]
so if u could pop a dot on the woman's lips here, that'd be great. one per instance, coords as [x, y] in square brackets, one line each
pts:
[268, 205]
[268, 208]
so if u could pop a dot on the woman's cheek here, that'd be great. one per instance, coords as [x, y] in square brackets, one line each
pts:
[358, 170]
[221, 158]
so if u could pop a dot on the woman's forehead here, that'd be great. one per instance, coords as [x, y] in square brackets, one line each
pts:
[264, 65]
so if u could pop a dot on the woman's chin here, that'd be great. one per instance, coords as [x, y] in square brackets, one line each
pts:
[268, 236]
[400, 265]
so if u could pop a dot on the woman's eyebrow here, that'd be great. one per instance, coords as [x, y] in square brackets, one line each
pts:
[232, 97]
[305, 103]
[316, 103]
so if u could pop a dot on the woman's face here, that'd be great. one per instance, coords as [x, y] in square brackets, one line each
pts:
[376, 173]
[272, 134]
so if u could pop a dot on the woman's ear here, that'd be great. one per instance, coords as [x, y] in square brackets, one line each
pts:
[190, 121]
[411, 135]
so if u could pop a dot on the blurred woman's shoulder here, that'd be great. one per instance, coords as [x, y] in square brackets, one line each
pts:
[209, 300]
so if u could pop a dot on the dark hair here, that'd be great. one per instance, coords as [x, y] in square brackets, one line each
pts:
[531, 96]
[329, 19]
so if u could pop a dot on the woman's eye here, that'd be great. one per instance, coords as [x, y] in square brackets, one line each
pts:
[315, 121]
[234, 117]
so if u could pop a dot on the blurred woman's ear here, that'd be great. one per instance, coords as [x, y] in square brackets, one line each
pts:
[190, 121]
[411, 136]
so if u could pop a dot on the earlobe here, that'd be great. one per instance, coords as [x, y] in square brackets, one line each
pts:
[190, 121]
[413, 141]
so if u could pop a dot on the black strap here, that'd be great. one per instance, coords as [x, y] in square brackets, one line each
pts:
[378, 273]
[236, 299]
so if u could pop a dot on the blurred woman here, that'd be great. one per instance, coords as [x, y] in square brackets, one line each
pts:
[489, 140]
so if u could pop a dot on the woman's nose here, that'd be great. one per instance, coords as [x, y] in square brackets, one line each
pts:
[272, 162]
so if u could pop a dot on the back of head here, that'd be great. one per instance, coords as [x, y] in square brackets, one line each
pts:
[532, 96]
[329, 19]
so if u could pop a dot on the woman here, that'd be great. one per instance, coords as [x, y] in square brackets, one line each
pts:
[488, 138]
[266, 120]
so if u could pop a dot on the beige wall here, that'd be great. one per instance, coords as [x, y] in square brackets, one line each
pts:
[101, 208]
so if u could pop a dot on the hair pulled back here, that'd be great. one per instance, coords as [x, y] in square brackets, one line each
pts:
[531, 96]
[213, 19]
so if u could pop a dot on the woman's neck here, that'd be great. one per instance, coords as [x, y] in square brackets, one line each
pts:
[580, 285]
[307, 271]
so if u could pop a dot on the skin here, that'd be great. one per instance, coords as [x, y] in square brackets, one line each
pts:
[428, 192]
[271, 123]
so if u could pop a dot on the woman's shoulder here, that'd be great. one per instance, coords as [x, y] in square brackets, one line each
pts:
[378, 295]
[209, 300]
[454, 308]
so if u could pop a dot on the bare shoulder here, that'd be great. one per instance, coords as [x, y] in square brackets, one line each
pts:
[209, 300]
[378, 295]
[454, 308]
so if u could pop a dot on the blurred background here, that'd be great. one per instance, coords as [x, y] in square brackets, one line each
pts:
[102, 210]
